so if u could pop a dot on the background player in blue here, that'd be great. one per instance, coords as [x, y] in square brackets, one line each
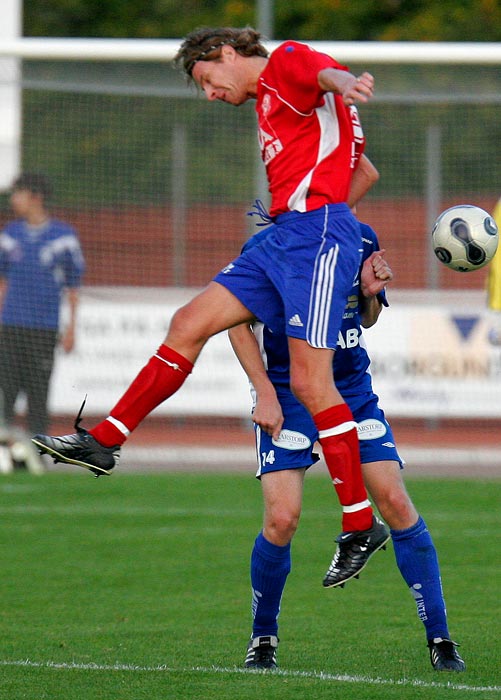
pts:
[285, 435]
[40, 259]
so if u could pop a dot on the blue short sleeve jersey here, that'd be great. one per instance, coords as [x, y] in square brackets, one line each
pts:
[38, 262]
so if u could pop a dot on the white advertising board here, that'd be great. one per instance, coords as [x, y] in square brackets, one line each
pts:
[117, 334]
[437, 361]
[428, 359]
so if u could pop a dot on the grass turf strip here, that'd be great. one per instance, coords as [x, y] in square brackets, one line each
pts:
[153, 571]
[317, 675]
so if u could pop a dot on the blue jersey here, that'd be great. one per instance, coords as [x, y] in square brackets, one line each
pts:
[38, 262]
[351, 361]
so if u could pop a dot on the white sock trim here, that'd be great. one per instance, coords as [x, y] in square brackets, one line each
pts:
[174, 365]
[119, 425]
[337, 429]
[357, 506]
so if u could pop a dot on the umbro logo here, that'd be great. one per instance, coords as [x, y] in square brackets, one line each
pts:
[337, 481]
[295, 321]
[388, 444]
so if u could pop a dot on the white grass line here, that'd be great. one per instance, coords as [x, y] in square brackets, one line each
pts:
[316, 675]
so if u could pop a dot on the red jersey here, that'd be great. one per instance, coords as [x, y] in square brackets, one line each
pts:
[310, 141]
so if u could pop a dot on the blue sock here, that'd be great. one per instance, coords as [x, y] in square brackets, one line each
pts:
[418, 563]
[270, 566]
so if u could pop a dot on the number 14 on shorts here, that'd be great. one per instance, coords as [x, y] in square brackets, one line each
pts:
[267, 458]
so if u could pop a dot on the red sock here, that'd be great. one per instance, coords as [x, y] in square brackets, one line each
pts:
[160, 378]
[339, 440]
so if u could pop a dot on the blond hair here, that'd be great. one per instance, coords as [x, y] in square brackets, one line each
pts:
[205, 45]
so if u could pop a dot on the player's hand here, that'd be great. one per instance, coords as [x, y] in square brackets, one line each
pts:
[376, 273]
[268, 415]
[67, 340]
[359, 89]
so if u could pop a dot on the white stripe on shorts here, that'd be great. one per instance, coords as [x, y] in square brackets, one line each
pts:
[258, 449]
[324, 285]
[321, 298]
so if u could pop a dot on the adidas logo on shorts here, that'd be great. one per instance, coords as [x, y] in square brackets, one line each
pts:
[295, 321]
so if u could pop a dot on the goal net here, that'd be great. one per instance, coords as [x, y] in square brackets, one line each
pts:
[157, 183]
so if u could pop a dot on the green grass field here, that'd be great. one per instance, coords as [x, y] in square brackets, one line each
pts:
[137, 586]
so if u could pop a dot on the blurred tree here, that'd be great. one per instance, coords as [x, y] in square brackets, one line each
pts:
[389, 20]
[376, 20]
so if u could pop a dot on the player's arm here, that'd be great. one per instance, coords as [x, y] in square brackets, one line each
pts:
[268, 411]
[344, 83]
[375, 275]
[364, 177]
[4, 265]
[68, 335]
[3, 290]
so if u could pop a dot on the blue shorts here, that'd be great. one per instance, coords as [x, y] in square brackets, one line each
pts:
[294, 448]
[304, 269]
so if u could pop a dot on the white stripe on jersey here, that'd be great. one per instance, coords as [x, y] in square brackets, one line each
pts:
[329, 127]
[67, 243]
[258, 330]
[297, 200]
[328, 124]
[7, 243]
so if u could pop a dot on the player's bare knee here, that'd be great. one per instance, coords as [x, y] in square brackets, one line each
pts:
[396, 508]
[185, 330]
[282, 526]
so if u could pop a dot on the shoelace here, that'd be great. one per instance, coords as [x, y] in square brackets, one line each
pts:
[262, 212]
[78, 419]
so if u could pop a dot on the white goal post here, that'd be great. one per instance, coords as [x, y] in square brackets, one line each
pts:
[413, 52]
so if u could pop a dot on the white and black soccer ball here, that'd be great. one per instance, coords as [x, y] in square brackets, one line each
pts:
[465, 238]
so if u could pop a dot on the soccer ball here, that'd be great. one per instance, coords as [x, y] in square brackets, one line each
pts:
[465, 238]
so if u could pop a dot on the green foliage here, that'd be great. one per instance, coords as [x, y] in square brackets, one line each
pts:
[137, 586]
[389, 20]
[449, 20]
[128, 18]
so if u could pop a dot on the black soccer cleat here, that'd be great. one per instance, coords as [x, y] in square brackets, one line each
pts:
[80, 448]
[262, 652]
[354, 549]
[443, 655]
